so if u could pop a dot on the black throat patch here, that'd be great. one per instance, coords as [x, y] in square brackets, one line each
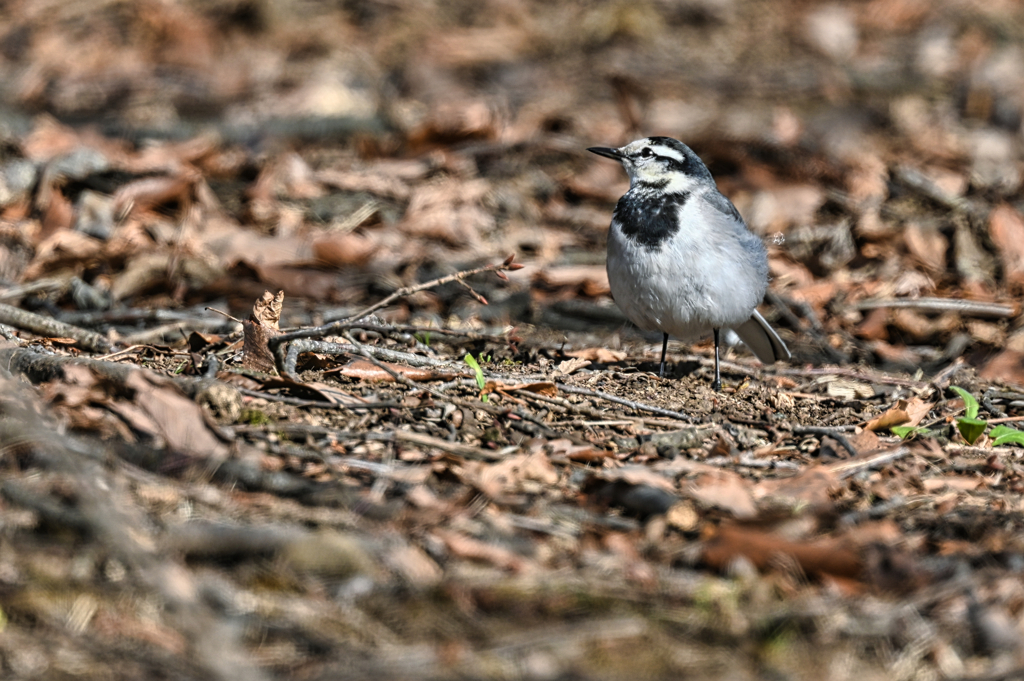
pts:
[649, 220]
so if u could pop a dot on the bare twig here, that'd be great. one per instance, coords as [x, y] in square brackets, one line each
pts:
[364, 350]
[974, 308]
[456, 448]
[46, 326]
[159, 333]
[507, 265]
[299, 402]
[919, 182]
[277, 343]
[861, 375]
[452, 333]
[848, 468]
[295, 348]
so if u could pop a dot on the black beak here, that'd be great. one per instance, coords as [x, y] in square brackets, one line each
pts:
[606, 152]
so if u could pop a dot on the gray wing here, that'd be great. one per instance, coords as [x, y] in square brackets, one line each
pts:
[756, 333]
[762, 339]
[724, 219]
[722, 204]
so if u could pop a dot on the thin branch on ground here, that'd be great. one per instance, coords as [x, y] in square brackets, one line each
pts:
[48, 327]
[860, 375]
[974, 308]
[298, 402]
[847, 468]
[277, 342]
[507, 265]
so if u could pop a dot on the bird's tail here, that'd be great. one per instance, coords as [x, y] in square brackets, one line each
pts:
[762, 339]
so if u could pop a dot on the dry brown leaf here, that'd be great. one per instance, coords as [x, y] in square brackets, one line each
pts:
[149, 192]
[724, 490]
[571, 366]
[449, 210]
[817, 294]
[562, 449]
[781, 207]
[903, 413]
[365, 370]
[1006, 227]
[58, 214]
[376, 180]
[864, 441]
[301, 281]
[601, 181]
[266, 311]
[157, 408]
[811, 486]
[473, 46]
[502, 480]
[1006, 367]
[951, 482]
[683, 516]
[343, 250]
[816, 557]
[898, 354]
[546, 388]
[928, 246]
[589, 280]
[467, 547]
[61, 249]
[599, 355]
[922, 328]
[987, 332]
[417, 568]
[453, 120]
[638, 475]
[787, 274]
[258, 329]
[874, 326]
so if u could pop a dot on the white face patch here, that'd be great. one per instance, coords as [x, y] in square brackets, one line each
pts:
[646, 160]
[669, 152]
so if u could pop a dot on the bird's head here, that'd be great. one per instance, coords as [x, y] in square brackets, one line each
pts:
[659, 162]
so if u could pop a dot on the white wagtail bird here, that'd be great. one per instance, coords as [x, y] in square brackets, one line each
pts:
[681, 260]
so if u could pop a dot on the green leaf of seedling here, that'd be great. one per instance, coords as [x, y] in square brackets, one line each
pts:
[907, 432]
[970, 404]
[475, 366]
[971, 429]
[1002, 435]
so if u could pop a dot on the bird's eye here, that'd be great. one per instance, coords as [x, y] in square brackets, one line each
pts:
[646, 152]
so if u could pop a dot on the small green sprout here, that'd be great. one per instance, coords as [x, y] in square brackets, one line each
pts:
[910, 432]
[475, 366]
[1003, 435]
[969, 425]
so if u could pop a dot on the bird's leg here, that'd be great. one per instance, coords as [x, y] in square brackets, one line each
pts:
[664, 349]
[717, 385]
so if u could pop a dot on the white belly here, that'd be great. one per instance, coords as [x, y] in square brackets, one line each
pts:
[695, 283]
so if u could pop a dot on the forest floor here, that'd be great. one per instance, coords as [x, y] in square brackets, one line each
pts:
[441, 451]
